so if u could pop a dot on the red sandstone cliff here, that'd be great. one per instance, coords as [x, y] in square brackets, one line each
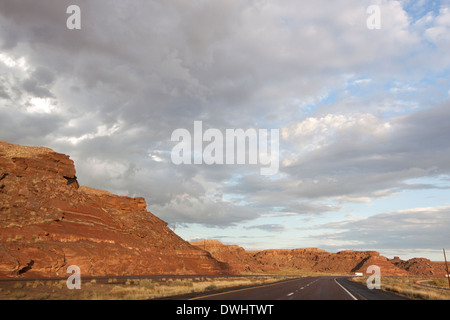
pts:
[48, 222]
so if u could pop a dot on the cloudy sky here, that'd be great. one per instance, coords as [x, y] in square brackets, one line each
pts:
[363, 114]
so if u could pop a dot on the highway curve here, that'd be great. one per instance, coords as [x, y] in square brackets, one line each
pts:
[309, 288]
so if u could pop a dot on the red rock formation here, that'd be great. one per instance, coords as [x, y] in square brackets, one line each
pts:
[421, 267]
[48, 222]
[239, 260]
[312, 260]
[386, 268]
[290, 259]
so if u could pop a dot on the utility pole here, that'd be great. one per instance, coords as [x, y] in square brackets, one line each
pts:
[446, 267]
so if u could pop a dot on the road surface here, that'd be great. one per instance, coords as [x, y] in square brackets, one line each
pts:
[309, 288]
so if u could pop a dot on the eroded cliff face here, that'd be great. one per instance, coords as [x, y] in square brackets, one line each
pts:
[49, 222]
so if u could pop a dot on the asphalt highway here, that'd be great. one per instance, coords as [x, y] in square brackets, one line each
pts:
[309, 288]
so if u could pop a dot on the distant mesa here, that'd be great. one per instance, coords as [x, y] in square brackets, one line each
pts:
[49, 222]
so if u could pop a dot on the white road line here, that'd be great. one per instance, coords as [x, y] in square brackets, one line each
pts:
[307, 285]
[354, 298]
[290, 294]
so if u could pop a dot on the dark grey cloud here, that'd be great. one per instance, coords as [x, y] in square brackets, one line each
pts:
[309, 208]
[32, 87]
[269, 227]
[418, 229]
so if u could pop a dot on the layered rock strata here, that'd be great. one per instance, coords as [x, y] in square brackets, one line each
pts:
[49, 222]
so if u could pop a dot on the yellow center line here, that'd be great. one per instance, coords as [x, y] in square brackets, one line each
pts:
[237, 290]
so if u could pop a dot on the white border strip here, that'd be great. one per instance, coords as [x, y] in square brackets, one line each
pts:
[354, 298]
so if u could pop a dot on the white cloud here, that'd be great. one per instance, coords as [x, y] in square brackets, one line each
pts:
[40, 105]
[102, 131]
[439, 33]
[314, 134]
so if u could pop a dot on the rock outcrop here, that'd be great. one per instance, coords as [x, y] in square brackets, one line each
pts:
[240, 260]
[421, 267]
[49, 222]
[313, 260]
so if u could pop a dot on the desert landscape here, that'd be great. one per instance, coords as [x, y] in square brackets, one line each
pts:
[49, 221]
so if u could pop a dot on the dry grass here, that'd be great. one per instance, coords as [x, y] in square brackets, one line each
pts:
[407, 287]
[130, 289]
[147, 289]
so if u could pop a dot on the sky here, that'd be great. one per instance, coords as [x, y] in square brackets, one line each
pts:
[363, 113]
